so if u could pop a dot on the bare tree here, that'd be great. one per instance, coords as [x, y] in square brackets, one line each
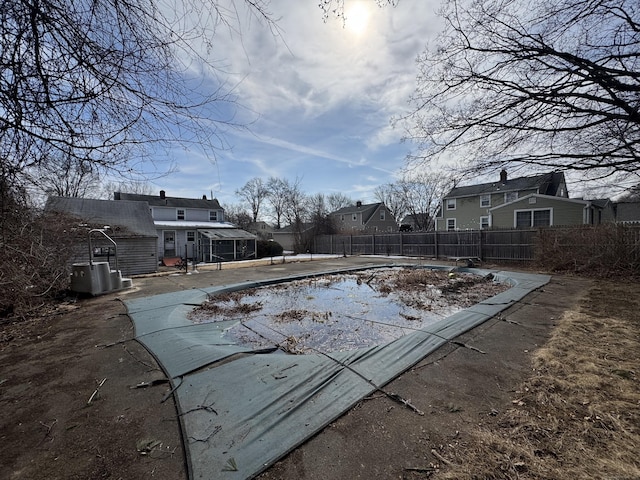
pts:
[98, 81]
[296, 204]
[238, 215]
[254, 193]
[126, 186]
[392, 196]
[335, 9]
[319, 214]
[544, 84]
[421, 195]
[336, 201]
[282, 196]
[66, 176]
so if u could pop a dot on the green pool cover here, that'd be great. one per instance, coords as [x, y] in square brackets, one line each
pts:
[242, 409]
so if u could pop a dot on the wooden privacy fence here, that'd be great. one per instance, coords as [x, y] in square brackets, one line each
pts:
[490, 245]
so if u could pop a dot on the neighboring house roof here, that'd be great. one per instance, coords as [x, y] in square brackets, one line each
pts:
[367, 210]
[289, 229]
[126, 218]
[546, 184]
[163, 201]
[260, 225]
[600, 202]
[628, 212]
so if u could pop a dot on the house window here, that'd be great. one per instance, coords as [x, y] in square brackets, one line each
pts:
[213, 216]
[180, 214]
[484, 222]
[485, 201]
[541, 218]
[533, 218]
[381, 214]
[451, 203]
[510, 197]
[354, 217]
[451, 224]
[191, 236]
[342, 218]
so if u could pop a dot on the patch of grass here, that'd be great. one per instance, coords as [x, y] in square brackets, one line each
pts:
[578, 416]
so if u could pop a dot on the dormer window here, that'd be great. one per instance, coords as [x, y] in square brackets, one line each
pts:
[180, 214]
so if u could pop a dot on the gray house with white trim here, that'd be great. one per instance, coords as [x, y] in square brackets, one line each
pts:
[364, 218]
[194, 228]
[536, 210]
[470, 207]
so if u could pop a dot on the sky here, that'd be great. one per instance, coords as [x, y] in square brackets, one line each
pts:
[318, 99]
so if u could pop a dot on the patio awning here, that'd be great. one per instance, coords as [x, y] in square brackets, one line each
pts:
[227, 234]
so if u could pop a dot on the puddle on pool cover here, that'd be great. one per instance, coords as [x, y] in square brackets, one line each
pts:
[344, 311]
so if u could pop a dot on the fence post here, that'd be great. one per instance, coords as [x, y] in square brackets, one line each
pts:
[480, 243]
[435, 243]
[401, 245]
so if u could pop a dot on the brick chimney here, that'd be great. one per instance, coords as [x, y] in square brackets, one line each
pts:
[162, 194]
[503, 176]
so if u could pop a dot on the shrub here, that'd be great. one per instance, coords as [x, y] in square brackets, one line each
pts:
[35, 249]
[268, 249]
[599, 250]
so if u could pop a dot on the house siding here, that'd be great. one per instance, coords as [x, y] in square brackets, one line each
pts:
[563, 212]
[136, 256]
[375, 224]
[468, 210]
[167, 214]
[364, 218]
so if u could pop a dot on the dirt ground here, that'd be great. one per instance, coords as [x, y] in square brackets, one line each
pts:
[79, 399]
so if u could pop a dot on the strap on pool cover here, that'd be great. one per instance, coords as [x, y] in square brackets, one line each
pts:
[241, 415]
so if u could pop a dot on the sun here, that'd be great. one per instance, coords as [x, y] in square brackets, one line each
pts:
[356, 17]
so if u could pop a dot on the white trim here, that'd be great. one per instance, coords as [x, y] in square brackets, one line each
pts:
[485, 195]
[455, 203]
[516, 211]
[455, 224]
[488, 217]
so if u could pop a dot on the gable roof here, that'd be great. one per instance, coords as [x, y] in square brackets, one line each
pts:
[126, 218]
[546, 184]
[164, 201]
[289, 229]
[367, 210]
